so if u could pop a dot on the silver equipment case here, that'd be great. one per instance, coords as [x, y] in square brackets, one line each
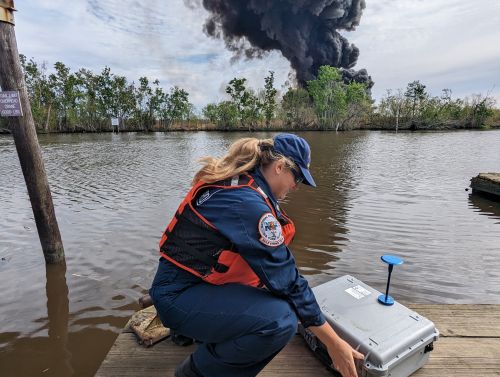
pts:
[395, 340]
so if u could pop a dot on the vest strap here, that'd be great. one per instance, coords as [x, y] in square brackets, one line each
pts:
[219, 267]
[217, 239]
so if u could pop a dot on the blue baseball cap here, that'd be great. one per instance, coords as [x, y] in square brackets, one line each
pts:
[297, 150]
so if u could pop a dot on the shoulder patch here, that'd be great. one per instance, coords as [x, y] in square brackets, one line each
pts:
[205, 196]
[270, 230]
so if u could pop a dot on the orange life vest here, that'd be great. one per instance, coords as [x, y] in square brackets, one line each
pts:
[194, 244]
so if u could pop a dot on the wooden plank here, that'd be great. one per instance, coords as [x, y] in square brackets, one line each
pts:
[488, 183]
[452, 356]
[470, 346]
[296, 360]
[492, 177]
[479, 320]
[127, 358]
[467, 357]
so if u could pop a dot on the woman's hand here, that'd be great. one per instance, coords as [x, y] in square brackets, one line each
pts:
[343, 355]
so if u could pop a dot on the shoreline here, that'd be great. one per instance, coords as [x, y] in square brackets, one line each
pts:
[210, 128]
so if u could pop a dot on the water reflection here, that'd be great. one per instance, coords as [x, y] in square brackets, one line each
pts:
[36, 354]
[320, 213]
[485, 206]
[58, 316]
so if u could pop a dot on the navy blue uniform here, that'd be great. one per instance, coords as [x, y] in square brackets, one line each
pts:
[242, 328]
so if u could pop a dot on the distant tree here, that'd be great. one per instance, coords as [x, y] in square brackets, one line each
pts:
[450, 108]
[329, 96]
[87, 101]
[123, 99]
[478, 108]
[392, 107]
[175, 106]
[88, 109]
[179, 107]
[40, 92]
[269, 104]
[223, 114]
[154, 103]
[105, 93]
[297, 108]
[252, 113]
[228, 114]
[243, 99]
[142, 113]
[415, 92]
[211, 113]
[358, 105]
[67, 91]
[238, 92]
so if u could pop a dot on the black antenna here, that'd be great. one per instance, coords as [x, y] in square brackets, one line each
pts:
[392, 261]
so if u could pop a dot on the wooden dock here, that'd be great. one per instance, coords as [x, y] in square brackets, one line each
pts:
[469, 346]
[486, 184]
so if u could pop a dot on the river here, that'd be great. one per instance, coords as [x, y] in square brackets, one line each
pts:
[378, 193]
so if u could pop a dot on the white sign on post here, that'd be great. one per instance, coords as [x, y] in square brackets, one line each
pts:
[10, 104]
[115, 122]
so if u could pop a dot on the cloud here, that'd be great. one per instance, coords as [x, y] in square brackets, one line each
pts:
[444, 43]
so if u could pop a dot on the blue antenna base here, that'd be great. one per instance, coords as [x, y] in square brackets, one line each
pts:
[386, 300]
[392, 260]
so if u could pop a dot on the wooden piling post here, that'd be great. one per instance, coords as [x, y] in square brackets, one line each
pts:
[24, 133]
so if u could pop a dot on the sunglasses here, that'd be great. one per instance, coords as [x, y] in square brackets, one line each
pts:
[298, 176]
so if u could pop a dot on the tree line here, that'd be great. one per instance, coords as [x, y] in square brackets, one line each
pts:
[65, 101]
[83, 101]
[414, 108]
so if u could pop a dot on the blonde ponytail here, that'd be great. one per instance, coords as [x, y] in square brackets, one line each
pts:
[243, 156]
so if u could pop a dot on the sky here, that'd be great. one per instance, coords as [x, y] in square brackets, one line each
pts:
[453, 44]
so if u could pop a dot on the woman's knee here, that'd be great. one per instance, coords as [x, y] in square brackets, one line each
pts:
[171, 316]
[289, 324]
[283, 325]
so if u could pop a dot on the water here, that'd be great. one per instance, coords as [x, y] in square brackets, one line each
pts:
[114, 194]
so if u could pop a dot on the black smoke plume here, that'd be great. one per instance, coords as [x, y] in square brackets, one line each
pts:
[305, 31]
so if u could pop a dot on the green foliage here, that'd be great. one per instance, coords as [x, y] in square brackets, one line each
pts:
[84, 101]
[478, 108]
[247, 105]
[269, 104]
[328, 101]
[124, 100]
[359, 105]
[179, 106]
[336, 103]
[224, 114]
[244, 108]
[493, 121]
[211, 112]
[40, 91]
[88, 104]
[228, 114]
[65, 101]
[416, 94]
[416, 109]
[297, 108]
[175, 106]
[252, 114]
[67, 92]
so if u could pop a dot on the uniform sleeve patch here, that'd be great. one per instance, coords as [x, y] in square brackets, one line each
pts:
[205, 196]
[270, 230]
